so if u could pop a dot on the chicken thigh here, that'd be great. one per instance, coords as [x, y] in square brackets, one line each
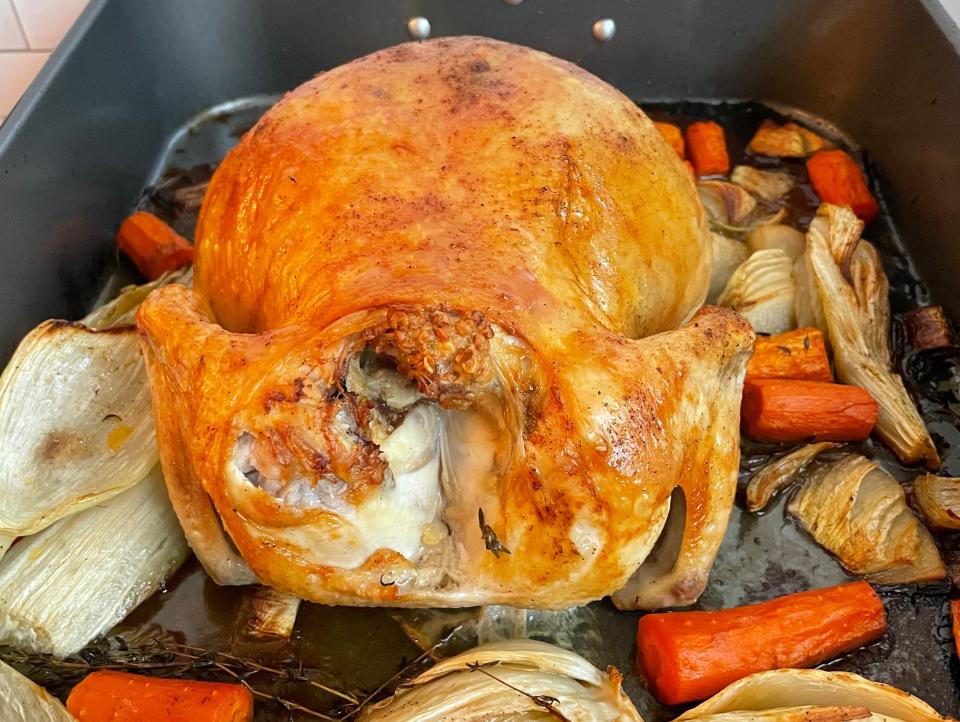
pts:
[444, 347]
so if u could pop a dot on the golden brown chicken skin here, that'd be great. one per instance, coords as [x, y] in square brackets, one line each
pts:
[418, 367]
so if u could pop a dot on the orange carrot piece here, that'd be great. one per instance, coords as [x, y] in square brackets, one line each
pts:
[799, 354]
[779, 410]
[688, 656]
[107, 696]
[955, 618]
[673, 136]
[838, 179]
[152, 245]
[707, 148]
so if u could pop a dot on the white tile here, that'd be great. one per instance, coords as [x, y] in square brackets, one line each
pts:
[16, 72]
[11, 37]
[47, 21]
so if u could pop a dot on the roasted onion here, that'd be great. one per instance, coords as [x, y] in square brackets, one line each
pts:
[762, 290]
[810, 695]
[859, 513]
[516, 680]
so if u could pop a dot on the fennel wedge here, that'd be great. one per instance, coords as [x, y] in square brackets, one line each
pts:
[68, 584]
[23, 701]
[76, 425]
[859, 513]
[811, 695]
[852, 290]
[516, 680]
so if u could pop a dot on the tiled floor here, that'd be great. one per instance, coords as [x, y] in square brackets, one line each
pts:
[29, 30]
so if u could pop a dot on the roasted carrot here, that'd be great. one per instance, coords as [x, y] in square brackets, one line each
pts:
[955, 619]
[152, 245]
[673, 136]
[107, 696]
[779, 410]
[687, 656]
[707, 148]
[837, 179]
[799, 354]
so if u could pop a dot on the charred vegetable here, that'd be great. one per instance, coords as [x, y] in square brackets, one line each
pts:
[786, 141]
[928, 328]
[852, 292]
[762, 289]
[771, 186]
[860, 514]
[780, 473]
[938, 498]
[517, 680]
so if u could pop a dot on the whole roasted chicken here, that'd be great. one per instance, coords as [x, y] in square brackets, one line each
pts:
[444, 348]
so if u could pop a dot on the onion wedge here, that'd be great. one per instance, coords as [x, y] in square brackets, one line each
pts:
[516, 680]
[74, 580]
[938, 498]
[776, 475]
[813, 695]
[853, 294]
[728, 255]
[76, 425]
[859, 513]
[762, 290]
[23, 701]
[769, 185]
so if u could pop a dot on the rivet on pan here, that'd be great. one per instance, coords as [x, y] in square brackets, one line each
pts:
[418, 27]
[513, 2]
[604, 30]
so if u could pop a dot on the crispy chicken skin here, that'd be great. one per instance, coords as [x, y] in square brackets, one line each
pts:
[438, 352]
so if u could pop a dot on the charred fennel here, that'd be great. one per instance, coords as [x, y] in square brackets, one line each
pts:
[848, 297]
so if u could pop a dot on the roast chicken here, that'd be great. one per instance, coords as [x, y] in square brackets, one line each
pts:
[446, 345]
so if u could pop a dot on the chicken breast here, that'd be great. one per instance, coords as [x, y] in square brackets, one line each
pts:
[433, 355]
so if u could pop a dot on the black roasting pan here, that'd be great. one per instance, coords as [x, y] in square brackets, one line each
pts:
[96, 125]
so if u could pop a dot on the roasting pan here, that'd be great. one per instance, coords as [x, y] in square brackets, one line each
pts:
[140, 85]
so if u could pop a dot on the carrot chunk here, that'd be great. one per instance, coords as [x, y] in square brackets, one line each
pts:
[838, 179]
[707, 148]
[955, 619]
[152, 245]
[107, 696]
[673, 136]
[799, 354]
[780, 410]
[687, 656]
